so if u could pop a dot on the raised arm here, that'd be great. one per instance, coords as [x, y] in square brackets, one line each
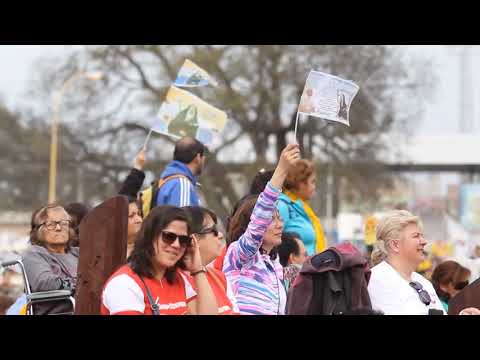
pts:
[134, 181]
[250, 242]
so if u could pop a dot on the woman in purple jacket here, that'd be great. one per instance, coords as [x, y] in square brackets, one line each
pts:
[250, 265]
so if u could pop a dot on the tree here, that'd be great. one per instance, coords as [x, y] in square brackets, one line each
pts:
[260, 86]
[22, 155]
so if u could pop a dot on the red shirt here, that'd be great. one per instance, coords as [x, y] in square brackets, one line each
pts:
[124, 294]
[223, 292]
[218, 263]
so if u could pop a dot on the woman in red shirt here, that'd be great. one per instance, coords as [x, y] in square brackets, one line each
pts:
[152, 282]
[204, 228]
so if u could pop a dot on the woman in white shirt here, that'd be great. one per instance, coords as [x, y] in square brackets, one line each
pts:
[394, 287]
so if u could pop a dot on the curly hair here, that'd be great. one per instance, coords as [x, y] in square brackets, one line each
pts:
[158, 219]
[300, 173]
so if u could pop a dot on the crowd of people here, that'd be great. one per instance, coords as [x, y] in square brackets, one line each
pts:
[273, 259]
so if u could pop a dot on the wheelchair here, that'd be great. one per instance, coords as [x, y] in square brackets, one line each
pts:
[43, 296]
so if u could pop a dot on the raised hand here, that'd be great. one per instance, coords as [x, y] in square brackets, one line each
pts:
[288, 158]
[139, 161]
[192, 259]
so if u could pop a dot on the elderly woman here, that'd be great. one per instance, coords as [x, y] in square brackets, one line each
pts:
[152, 282]
[51, 263]
[295, 210]
[394, 287]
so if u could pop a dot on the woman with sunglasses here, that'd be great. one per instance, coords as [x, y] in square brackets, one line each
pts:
[448, 279]
[152, 282]
[255, 230]
[210, 241]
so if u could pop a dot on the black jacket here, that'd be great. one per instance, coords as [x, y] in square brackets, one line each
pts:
[133, 183]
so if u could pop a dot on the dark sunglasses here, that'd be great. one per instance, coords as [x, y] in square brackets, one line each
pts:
[212, 229]
[461, 285]
[424, 297]
[169, 238]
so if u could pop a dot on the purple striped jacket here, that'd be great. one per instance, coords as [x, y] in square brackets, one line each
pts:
[257, 281]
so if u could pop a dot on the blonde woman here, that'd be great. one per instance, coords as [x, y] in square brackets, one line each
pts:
[394, 287]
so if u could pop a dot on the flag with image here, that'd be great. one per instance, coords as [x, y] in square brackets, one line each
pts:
[328, 97]
[184, 114]
[191, 75]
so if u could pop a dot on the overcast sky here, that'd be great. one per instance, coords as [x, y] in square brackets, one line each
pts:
[441, 116]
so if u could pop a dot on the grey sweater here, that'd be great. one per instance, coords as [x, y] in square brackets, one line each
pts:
[47, 271]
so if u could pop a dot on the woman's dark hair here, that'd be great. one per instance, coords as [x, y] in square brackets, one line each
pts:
[39, 216]
[260, 180]
[259, 183]
[234, 211]
[445, 273]
[136, 201]
[197, 215]
[77, 212]
[240, 219]
[288, 246]
[158, 219]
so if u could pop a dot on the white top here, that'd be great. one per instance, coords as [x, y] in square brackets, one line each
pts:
[392, 294]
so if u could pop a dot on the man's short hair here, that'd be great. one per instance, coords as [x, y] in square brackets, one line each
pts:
[187, 148]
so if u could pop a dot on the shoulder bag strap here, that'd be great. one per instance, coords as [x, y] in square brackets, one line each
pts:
[153, 305]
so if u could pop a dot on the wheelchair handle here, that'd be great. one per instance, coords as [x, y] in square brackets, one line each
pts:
[9, 263]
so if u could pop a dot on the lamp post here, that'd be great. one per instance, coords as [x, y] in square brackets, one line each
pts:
[55, 121]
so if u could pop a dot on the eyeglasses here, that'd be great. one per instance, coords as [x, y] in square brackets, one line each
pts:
[461, 285]
[52, 225]
[424, 297]
[212, 229]
[169, 238]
